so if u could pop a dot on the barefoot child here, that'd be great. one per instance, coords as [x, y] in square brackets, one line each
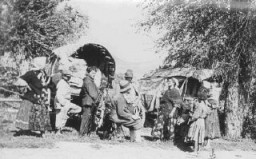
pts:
[196, 131]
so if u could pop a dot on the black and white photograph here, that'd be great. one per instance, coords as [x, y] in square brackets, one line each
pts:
[127, 79]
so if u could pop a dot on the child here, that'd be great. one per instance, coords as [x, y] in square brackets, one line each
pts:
[196, 131]
[212, 126]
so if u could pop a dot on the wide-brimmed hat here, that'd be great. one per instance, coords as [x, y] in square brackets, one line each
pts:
[128, 73]
[124, 86]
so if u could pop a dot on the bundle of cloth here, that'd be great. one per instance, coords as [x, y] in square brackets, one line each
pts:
[150, 93]
[78, 70]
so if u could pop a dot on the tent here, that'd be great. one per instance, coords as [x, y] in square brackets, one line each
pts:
[189, 79]
[153, 83]
[200, 75]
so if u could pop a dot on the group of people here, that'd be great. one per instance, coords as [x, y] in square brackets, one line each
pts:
[191, 119]
[34, 115]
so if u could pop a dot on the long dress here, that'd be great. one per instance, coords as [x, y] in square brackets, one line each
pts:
[196, 131]
[33, 113]
[212, 123]
[164, 126]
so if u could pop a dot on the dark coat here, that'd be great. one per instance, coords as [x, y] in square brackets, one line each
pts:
[35, 84]
[121, 113]
[89, 92]
[172, 96]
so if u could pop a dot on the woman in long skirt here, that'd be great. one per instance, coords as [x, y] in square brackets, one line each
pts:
[212, 125]
[33, 114]
[164, 126]
[196, 132]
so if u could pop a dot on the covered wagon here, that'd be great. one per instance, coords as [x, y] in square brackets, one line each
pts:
[78, 57]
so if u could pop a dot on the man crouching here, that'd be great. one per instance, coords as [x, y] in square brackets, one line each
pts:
[126, 113]
[64, 107]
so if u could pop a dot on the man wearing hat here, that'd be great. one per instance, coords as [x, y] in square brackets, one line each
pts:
[135, 91]
[128, 76]
[63, 104]
[125, 113]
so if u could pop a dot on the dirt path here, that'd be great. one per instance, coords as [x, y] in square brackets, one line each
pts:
[67, 150]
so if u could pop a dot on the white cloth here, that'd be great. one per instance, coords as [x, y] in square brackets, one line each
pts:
[38, 63]
[215, 93]
[63, 104]
[62, 114]
[97, 78]
[63, 94]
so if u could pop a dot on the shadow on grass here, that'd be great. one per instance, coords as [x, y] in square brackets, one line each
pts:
[26, 133]
[186, 147]
[150, 138]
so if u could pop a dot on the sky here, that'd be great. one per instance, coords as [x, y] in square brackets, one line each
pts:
[112, 24]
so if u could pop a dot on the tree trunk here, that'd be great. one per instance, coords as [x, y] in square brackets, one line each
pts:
[234, 113]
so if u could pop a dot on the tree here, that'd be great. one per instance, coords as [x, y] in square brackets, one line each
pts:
[35, 27]
[210, 34]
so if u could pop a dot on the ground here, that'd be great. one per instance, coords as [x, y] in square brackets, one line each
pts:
[69, 145]
[66, 150]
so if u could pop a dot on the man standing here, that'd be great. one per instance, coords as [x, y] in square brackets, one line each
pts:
[89, 94]
[63, 104]
[128, 76]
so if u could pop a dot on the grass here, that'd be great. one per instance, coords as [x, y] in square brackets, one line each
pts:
[9, 140]
[25, 142]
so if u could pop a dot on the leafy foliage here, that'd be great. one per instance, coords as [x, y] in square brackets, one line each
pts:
[35, 27]
[8, 76]
[205, 34]
[210, 34]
